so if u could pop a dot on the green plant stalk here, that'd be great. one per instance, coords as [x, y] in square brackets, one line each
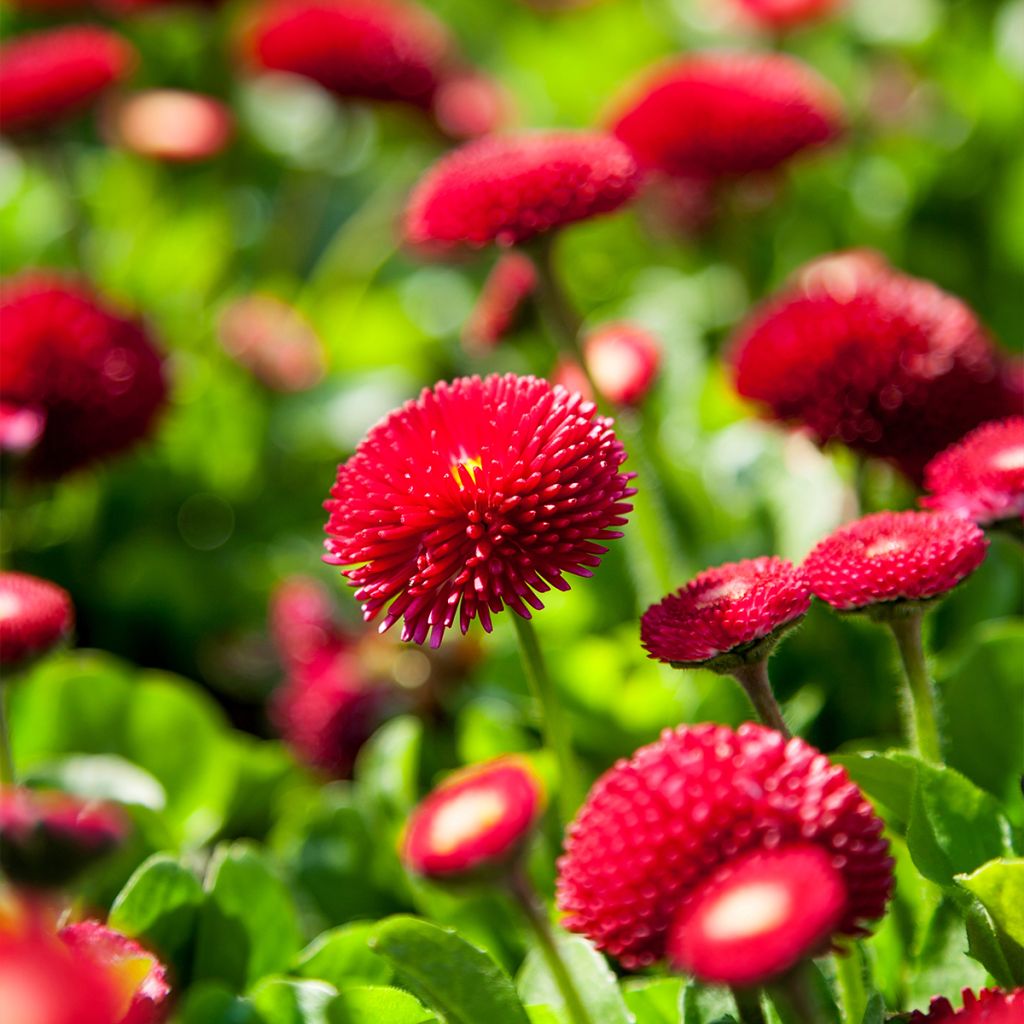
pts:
[555, 307]
[753, 677]
[536, 916]
[555, 726]
[748, 1004]
[922, 722]
[7, 775]
[794, 991]
[850, 978]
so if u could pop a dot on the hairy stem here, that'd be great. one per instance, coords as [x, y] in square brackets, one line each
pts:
[922, 722]
[850, 977]
[753, 677]
[748, 1003]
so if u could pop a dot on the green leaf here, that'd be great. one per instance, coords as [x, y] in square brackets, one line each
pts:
[875, 1011]
[387, 769]
[377, 1004]
[247, 928]
[653, 1000]
[159, 905]
[343, 956]
[285, 1001]
[1000, 955]
[941, 963]
[594, 980]
[212, 1003]
[708, 1004]
[887, 778]
[102, 777]
[1000, 887]
[462, 983]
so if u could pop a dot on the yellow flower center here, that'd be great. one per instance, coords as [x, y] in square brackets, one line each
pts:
[464, 470]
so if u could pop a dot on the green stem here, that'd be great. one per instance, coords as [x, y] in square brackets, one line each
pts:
[923, 718]
[753, 677]
[7, 775]
[557, 310]
[556, 730]
[536, 915]
[795, 992]
[850, 977]
[748, 1003]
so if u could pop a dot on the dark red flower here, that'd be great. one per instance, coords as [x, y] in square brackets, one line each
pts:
[982, 475]
[477, 495]
[469, 104]
[720, 115]
[171, 125]
[48, 838]
[759, 915]
[364, 49]
[120, 957]
[94, 374]
[47, 76]
[894, 556]
[510, 283]
[510, 189]
[989, 1006]
[477, 821]
[656, 828]
[886, 363]
[623, 361]
[721, 610]
[784, 14]
[35, 615]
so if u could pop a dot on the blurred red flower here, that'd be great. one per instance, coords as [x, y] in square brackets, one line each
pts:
[989, 1006]
[623, 360]
[35, 615]
[512, 281]
[170, 125]
[779, 15]
[469, 104]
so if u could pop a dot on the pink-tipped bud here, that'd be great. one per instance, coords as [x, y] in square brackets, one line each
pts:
[623, 360]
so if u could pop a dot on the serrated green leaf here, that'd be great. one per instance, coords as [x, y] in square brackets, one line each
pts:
[1000, 887]
[343, 957]
[462, 983]
[377, 1004]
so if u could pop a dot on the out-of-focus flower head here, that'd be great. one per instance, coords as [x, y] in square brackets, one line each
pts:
[476, 823]
[273, 341]
[623, 360]
[723, 115]
[48, 76]
[170, 125]
[989, 1006]
[982, 475]
[477, 495]
[886, 363]
[507, 190]
[93, 374]
[469, 104]
[661, 829]
[781, 15]
[885, 560]
[48, 838]
[512, 281]
[35, 616]
[21, 426]
[567, 373]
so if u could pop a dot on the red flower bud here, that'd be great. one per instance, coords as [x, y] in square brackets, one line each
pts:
[35, 615]
[170, 125]
[623, 360]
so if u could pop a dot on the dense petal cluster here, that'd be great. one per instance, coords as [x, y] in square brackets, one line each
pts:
[93, 374]
[725, 609]
[171, 125]
[989, 1006]
[510, 283]
[982, 476]
[47, 76]
[721, 115]
[623, 360]
[894, 556]
[364, 49]
[657, 827]
[783, 14]
[479, 494]
[509, 189]
[886, 363]
[476, 821]
[759, 915]
[35, 615]
[48, 838]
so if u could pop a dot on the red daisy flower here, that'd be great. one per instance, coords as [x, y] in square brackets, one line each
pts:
[981, 476]
[94, 375]
[478, 495]
[48, 838]
[510, 283]
[623, 361]
[657, 828]
[759, 915]
[171, 125]
[120, 957]
[734, 606]
[894, 556]
[719, 115]
[779, 15]
[35, 615]
[477, 821]
[47, 76]
[886, 363]
[469, 104]
[989, 1006]
[363, 49]
[508, 190]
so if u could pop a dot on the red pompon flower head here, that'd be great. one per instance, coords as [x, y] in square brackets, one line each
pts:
[170, 125]
[759, 915]
[48, 838]
[726, 616]
[890, 562]
[623, 361]
[469, 104]
[989, 1006]
[506, 190]
[360, 49]
[511, 282]
[658, 830]
[479, 494]
[35, 616]
[723, 115]
[780, 15]
[477, 823]
[135, 970]
[886, 363]
[93, 374]
[982, 476]
[48, 76]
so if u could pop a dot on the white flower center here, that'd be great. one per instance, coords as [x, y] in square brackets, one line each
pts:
[1009, 458]
[464, 817]
[10, 605]
[753, 909]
